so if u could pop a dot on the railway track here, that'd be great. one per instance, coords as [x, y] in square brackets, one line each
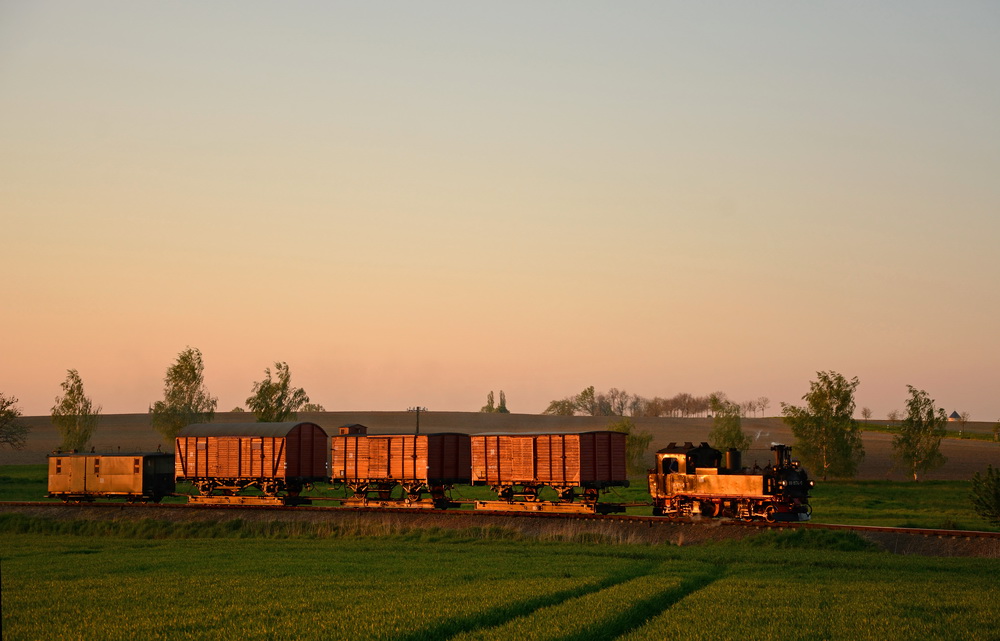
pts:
[149, 509]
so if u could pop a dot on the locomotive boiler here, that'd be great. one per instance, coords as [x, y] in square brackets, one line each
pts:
[697, 480]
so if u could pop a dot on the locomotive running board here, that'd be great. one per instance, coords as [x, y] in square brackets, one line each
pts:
[247, 500]
[550, 507]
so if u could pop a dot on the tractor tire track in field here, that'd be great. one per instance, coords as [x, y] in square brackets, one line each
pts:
[638, 613]
[502, 615]
[577, 614]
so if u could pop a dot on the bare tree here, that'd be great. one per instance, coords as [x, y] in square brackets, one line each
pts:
[866, 413]
[893, 416]
[763, 403]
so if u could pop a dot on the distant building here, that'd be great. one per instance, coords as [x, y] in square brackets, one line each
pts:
[955, 416]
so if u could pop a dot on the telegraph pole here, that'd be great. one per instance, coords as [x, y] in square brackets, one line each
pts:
[417, 409]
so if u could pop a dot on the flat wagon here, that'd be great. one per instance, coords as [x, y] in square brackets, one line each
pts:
[275, 458]
[517, 465]
[141, 476]
[372, 465]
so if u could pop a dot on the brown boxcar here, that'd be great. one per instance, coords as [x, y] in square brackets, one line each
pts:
[273, 457]
[417, 462]
[84, 477]
[528, 461]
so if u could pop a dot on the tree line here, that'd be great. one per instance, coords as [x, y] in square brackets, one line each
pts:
[186, 400]
[616, 402]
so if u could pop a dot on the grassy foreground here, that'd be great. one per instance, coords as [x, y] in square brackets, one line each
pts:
[464, 585]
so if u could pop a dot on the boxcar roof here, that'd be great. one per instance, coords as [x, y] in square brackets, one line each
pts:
[543, 433]
[243, 429]
[125, 454]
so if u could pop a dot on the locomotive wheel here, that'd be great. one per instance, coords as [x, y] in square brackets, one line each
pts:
[710, 509]
[769, 513]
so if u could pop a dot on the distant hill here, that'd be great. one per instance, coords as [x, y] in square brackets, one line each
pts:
[133, 432]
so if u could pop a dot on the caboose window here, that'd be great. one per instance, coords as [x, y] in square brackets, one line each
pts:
[58, 466]
[135, 466]
[97, 467]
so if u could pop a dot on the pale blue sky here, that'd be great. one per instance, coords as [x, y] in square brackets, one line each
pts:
[418, 203]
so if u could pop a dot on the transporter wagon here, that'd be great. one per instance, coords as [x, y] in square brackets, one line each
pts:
[518, 465]
[372, 465]
[278, 459]
[142, 476]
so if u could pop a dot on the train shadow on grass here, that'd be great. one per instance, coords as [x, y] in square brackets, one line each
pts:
[631, 616]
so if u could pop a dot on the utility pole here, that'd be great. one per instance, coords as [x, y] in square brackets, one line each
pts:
[417, 409]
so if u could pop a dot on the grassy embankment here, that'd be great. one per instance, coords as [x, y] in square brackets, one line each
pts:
[933, 504]
[476, 585]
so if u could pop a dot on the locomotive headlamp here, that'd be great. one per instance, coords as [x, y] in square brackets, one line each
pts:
[812, 483]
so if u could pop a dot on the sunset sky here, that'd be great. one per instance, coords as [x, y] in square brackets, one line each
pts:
[417, 203]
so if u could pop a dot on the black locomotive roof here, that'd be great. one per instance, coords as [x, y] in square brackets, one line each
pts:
[243, 429]
[674, 448]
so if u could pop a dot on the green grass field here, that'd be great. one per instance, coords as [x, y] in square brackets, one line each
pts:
[152, 579]
[464, 585]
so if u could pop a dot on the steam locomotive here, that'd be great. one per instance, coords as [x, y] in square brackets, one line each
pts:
[694, 480]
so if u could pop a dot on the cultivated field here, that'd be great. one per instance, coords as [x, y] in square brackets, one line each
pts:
[213, 584]
[132, 432]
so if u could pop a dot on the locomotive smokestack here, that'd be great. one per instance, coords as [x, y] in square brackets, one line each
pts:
[734, 460]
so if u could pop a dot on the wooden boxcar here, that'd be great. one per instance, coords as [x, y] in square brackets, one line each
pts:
[135, 477]
[519, 464]
[418, 462]
[273, 457]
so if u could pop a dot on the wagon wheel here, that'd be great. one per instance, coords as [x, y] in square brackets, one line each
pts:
[566, 494]
[530, 493]
[206, 487]
[504, 492]
[590, 495]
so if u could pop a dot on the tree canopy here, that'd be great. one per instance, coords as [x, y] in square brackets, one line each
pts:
[185, 398]
[492, 408]
[727, 430]
[274, 401]
[13, 432]
[917, 447]
[828, 439]
[74, 414]
[986, 494]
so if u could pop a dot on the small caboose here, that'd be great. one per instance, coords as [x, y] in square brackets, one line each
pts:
[140, 476]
